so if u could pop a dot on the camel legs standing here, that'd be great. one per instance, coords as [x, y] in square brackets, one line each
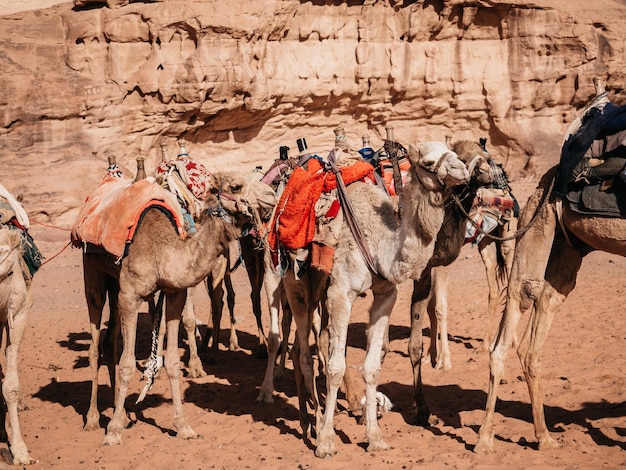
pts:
[97, 285]
[419, 300]
[339, 304]
[303, 296]
[439, 350]
[253, 258]
[563, 267]
[527, 282]
[488, 249]
[11, 392]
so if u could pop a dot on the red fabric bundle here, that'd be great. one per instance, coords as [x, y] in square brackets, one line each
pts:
[294, 223]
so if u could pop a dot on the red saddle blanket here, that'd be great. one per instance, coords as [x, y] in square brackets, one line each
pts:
[294, 222]
[111, 214]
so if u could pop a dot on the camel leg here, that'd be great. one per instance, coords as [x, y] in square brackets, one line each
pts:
[354, 402]
[525, 284]
[174, 307]
[128, 308]
[497, 268]
[384, 301]
[275, 294]
[233, 343]
[95, 293]
[11, 383]
[339, 306]
[488, 253]
[189, 322]
[216, 293]
[303, 302]
[563, 267]
[301, 388]
[254, 261]
[286, 330]
[421, 291]
[439, 288]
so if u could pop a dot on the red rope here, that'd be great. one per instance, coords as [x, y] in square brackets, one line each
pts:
[62, 250]
[59, 228]
[51, 226]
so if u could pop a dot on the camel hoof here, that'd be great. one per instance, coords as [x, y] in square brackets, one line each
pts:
[325, 451]
[112, 439]
[91, 426]
[484, 447]
[234, 347]
[548, 442]
[18, 455]
[443, 366]
[185, 432]
[378, 445]
[264, 398]
[196, 372]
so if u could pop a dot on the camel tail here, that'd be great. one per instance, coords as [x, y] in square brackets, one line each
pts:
[154, 362]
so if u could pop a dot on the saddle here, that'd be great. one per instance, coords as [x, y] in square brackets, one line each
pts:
[113, 212]
[596, 201]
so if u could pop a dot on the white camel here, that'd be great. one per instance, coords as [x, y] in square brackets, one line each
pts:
[399, 252]
[15, 302]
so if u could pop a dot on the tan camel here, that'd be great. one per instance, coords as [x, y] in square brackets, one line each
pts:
[399, 252]
[430, 291]
[543, 274]
[158, 259]
[15, 302]
[547, 259]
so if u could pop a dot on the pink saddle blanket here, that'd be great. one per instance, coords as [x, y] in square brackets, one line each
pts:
[111, 214]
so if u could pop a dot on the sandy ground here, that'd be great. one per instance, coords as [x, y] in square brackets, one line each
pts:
[583, 381]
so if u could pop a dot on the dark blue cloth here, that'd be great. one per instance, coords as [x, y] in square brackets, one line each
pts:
[596, 124]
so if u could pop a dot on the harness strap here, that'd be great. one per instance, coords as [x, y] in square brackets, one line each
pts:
[559, 217]
[349, 212]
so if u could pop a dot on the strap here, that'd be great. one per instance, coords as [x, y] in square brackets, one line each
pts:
[349, 213]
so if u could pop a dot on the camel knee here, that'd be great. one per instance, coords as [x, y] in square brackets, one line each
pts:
[530, 290]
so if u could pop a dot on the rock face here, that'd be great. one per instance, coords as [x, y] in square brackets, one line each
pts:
[237, 79]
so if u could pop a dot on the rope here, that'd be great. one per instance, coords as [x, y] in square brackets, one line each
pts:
[62, 250]
[518, 233]
[51, 226]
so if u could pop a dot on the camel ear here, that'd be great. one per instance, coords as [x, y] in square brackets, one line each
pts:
[414, 153]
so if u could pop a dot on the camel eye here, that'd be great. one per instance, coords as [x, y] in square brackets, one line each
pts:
[236, 188]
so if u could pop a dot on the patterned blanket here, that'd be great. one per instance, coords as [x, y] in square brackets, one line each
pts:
[111, 214]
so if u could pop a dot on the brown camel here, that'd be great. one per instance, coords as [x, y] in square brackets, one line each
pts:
[547, 259]
[399, 252]
[430, 291]
[15, 302]
[158, 259]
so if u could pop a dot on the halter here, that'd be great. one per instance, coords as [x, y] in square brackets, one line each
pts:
[434, 171]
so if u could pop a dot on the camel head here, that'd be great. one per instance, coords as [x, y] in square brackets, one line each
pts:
[475, 159]
[436, 166]
[242, 196]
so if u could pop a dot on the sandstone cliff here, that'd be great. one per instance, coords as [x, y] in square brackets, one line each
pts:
[239, 78]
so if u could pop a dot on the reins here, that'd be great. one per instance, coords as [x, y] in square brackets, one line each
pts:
[518, 233]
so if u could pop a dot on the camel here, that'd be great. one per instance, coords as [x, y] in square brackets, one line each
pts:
[430, 291]
[399, 251]
[547, 259]
[15, 302]
[158, 259]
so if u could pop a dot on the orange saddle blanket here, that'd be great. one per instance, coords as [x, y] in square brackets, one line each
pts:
[294, 223]
[111, 214]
